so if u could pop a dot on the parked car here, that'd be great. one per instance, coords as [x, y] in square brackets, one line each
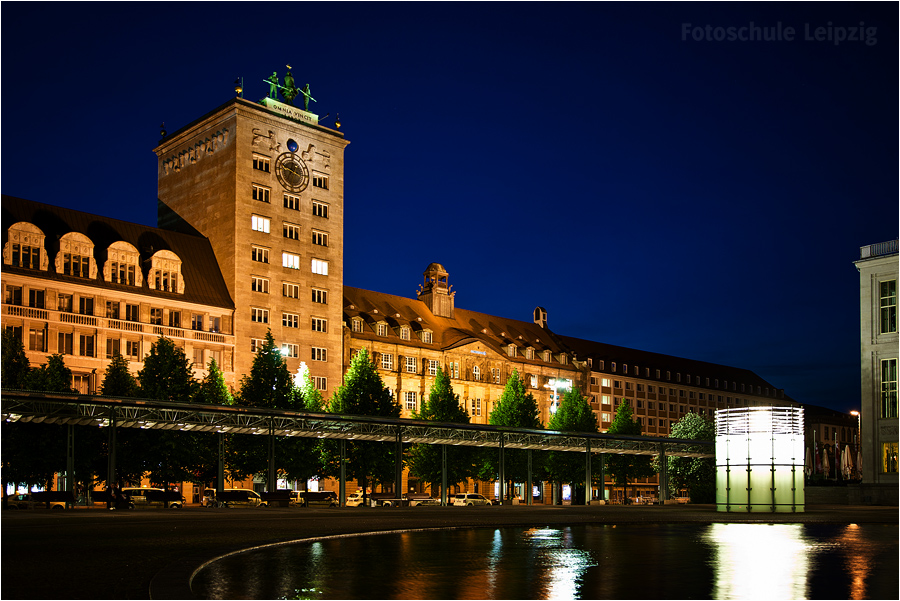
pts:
[376, 499]
[232, 497]
[423, 501]
[152, 497]
[26, 501]
[470, 499]
[328, 498]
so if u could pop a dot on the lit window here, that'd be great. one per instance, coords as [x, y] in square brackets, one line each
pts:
[260, 224]
[259, 254]
[476, 407]
[290, 290]
[319, 324]
[476, 373]
[604, 417]
[291, 202]
[319, 238]
[319, 354]
[291, 231]
[356, 324]
[320, 209]
[495, 375]
[427, 336]
[290, 320]
[454, 369]
[320, 181]
[260, 193]
[547, 356]
[404, 333]
[511, 350]
[290, 260]
[604, 382]
[529, 353]
[387, 361]
[261, 163]
[320, 267]
[320, 296]
[410, 398]
[290, 350]
[888, 307]
[259, 284]
[534, 381]
[259, 315]
[432, 367]
[382, 329]
[411, 365]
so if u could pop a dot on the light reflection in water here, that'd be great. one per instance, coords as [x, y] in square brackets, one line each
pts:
[563, 564]
[760, 561]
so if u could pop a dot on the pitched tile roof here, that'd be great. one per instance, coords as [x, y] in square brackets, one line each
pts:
[203, 282]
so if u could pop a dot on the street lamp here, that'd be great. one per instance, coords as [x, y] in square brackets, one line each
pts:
[557, 384]
[858, 439]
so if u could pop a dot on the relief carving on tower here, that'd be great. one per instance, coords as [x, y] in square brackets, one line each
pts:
[266, 141]
[196, 152]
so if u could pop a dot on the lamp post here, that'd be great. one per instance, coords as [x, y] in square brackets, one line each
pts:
[858, 439]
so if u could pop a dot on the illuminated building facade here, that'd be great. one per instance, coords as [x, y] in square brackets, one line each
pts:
[878, 272]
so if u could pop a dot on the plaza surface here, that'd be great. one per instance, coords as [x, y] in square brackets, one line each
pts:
[92, 553]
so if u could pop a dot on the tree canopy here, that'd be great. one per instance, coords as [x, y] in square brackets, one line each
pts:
[269, 383]
[697, 475]
[625, 468]
[15, 362]
[574, 414]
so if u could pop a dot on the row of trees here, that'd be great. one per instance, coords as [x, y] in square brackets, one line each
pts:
[33, 452]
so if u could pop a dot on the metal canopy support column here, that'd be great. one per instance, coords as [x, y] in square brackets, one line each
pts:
[70, 460]
[601, 492]
[272, 483]
[502, 472]
[342, 486]
[111, 450]
[529, 494]
[663, 475]
[443, 475]
[220, 466]
[587, 472]
[398, 465]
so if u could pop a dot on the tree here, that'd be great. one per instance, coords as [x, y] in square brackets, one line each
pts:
[516, 408]
[15, 363]
[426, 460]
[130, 442]
[306, 388]
[299, 456]
[269, 383]
[574, 414]
[167, 375]
[624, 468]
[697, 475]
[52, 376]
[364, 393]
[117, 379]
[213, 390]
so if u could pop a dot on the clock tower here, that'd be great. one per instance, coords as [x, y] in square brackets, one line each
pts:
[265, 183]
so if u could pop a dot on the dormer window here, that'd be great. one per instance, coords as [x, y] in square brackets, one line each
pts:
[25, 247]
[404, 333]
[76, 256]
[122, 265]
[511, 350]
[547, 356]
[563, 359]
[356, 324]
[381, 329]
[427, 336]
[165, 272]
[529, 353]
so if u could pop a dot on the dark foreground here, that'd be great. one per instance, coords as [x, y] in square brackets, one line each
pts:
[151, 553]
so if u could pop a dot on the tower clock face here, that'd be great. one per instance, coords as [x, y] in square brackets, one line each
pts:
[292, 172]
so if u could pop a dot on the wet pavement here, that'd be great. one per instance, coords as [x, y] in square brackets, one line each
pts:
[92, 553]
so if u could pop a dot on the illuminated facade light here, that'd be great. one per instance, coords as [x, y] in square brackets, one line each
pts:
[759, 459]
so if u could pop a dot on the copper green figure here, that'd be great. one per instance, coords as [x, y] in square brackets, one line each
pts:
[306, 97]
[273, 85]
[289, 90]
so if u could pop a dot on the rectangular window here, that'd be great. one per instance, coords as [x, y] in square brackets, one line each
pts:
[259, 315]
[604, 417]
[617, 383]
[261, 163]
[259, 254]
[888, 307]
[411, 365]
[604, 399]
[356, 325]
[410, 398]
[113, 347]
[432, 367]
[404, 333]
[889, 457]
[256, 344]
[215, 324]
[534, 380]
[63, 301]
[454, 369]
[495, 375]
[381, 329]
[476, 373]
[198, 358]
[320, 209]
[387, 361]
[26, 256]
[426, 336]
[260, 224]
[133, 349]
[290, 320]
[76, 265]
[320, 238]
[121, 273]
[320, 267]
[36, 298]
[321, 382]
[292, 202]
[37, 340]
[112, 309]
[604, 382]
[319, 354]
[291, 231]
[259, 284]
[260, 193]
[889, 388]
[86, 305]
[476, 407]
[290, 260]
[81, 383]
[66, 342]
[290, 350]
[290, 290]
[156, 316]
[320, 296]
[85, 345]
[319, 324]
[215, 356]
[196, 321]
[174, 319]
[320, 181]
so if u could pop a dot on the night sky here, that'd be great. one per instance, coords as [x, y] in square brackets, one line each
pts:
[652, 187]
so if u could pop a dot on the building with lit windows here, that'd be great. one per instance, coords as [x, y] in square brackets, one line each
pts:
[877, 266]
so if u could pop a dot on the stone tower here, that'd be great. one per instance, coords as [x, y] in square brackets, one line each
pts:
[435, 292]
[265, 183]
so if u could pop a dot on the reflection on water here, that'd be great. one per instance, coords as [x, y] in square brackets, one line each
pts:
[658, 561]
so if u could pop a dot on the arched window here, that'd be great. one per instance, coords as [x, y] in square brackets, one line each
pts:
[76, 256]
[123, 265]
[165, 272]
[25, 247]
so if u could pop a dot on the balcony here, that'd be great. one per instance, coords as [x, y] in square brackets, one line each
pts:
[878, 250]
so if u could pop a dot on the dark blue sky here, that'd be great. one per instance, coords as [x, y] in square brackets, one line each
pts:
[704, 199]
